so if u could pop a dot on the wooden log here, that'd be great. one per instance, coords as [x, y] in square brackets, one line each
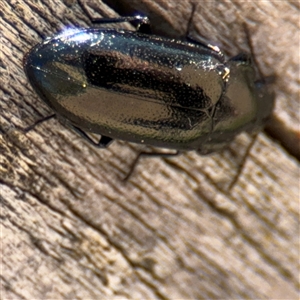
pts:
[70, 228]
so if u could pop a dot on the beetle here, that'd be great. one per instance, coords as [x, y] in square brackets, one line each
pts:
[147, 89]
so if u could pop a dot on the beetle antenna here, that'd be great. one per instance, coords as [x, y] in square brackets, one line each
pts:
[189, 26]
[253, 56]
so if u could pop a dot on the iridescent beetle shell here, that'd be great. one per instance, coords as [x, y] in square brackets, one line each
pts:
[148, 89]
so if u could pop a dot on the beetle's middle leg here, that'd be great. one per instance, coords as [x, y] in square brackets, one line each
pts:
[148, 154]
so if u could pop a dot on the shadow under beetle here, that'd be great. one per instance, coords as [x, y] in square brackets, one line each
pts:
[142, 88]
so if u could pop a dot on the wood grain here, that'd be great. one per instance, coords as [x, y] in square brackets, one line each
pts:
[71, 229]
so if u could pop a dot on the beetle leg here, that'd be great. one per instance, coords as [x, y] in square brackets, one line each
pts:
[205, 43]
[138, 18]
[199, 40]
[148, 154]
[32, 126]
[142, 22]
[243, 162]
[103, 142]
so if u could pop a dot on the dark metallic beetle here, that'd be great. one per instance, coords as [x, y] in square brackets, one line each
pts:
[142, 88]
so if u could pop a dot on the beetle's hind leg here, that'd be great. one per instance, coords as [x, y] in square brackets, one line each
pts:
[32, 126]
[142, 23]
[147, 154]
[103, 142]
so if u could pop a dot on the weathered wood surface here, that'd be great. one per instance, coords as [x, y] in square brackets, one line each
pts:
[70, 229]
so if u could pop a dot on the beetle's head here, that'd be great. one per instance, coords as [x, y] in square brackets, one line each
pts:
[254, 98]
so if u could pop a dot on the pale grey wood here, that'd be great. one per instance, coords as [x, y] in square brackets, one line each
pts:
[71, 229]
